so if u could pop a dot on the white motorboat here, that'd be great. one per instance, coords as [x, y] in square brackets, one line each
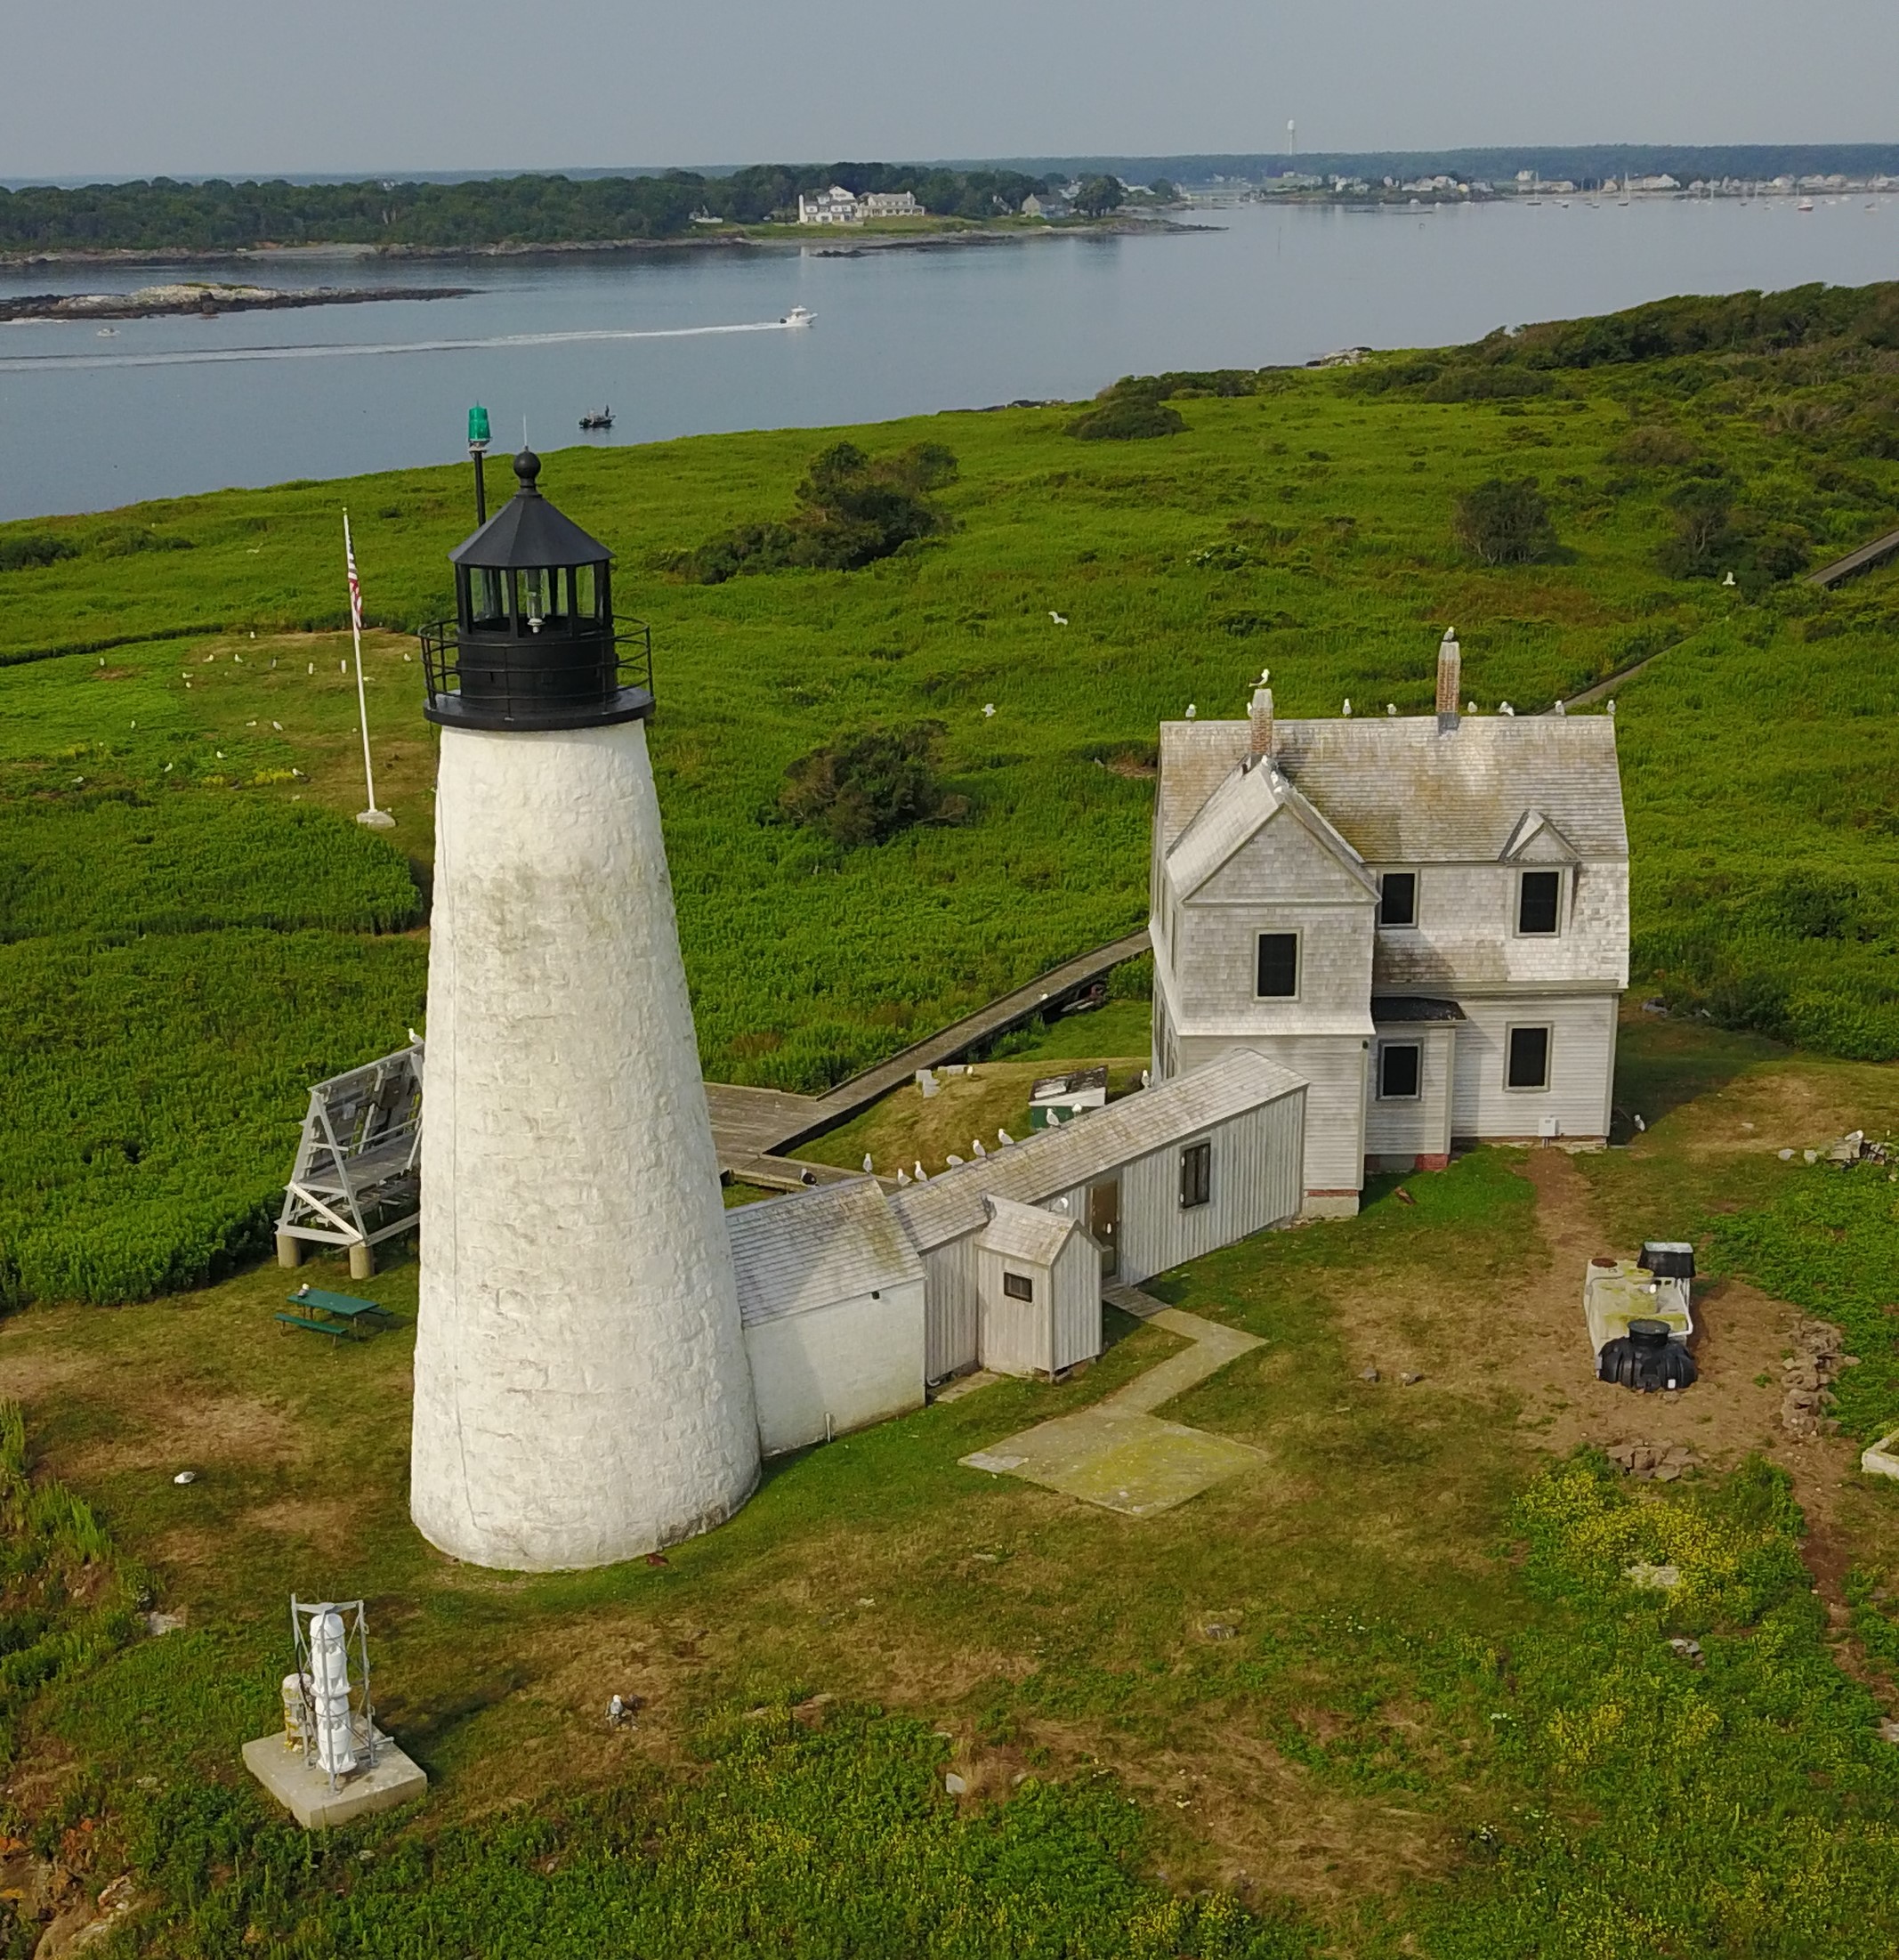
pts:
[799, 316]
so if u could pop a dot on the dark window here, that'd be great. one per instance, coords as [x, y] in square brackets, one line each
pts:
[1018, 1286]
[1529, 1062]
[1278, 966]
[1196, 1175]
[1537, 896]
[1398, 898]
[1399, 1068]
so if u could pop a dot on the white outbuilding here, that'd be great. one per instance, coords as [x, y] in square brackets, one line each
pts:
[1038, 1290]
[831, 1293]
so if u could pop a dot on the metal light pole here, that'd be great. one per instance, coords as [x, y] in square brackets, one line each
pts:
[478, 442]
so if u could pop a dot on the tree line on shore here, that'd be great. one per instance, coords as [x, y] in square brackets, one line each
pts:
[163, 215]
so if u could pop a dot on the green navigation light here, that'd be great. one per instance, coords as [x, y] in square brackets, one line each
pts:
[478, 435]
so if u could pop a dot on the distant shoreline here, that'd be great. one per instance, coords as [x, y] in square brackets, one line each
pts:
[155, 302]
[836, 241]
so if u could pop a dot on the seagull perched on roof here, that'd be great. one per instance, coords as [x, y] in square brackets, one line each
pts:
[1504, 707]
[413, 1036]
[868, 1166]
[1390, 708]
[952, 1158]
[976, 1147]
[923, 1176]
[1004, 1139]
[1561, 707]
[1191, 710]
[903, 1177]
[1611, 706]
[1061, 618]
[1348, 707]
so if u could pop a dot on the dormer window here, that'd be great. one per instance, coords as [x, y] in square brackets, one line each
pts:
[1539, 903]
[1398, 898]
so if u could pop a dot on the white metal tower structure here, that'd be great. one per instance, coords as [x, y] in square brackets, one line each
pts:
[582, 1391]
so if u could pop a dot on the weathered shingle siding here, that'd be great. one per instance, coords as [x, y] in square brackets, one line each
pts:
[1283, 880]
[1420, 1127]
[1582, 1061]
[1333, 1068]
[1466, 935]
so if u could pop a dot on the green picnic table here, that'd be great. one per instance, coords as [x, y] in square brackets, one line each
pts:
[340, 1315]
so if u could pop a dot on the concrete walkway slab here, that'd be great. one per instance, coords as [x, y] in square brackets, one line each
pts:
[1120, 1455]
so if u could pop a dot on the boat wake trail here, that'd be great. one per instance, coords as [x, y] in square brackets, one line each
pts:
[340, 349]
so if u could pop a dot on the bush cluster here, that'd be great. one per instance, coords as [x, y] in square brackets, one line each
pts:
[867, 788]
[853, 509]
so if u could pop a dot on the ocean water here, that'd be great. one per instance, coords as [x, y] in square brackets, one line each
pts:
[680, 341]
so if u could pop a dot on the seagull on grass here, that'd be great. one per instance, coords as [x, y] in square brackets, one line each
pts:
[1061, 618]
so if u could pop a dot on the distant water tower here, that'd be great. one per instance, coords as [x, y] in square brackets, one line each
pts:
[582, 1392]
[1292, 137]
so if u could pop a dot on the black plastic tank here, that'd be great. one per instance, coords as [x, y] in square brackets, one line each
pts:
[1646, 1358]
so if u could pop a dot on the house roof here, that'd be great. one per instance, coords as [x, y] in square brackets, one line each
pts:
[1026, 1231]
[1393, 1009]
[815, 1247]
[952, 1204]
[1401, 793]
[1240, 802]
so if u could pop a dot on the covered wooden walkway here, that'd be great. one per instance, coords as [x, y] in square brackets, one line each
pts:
[1865, 559]
[756, 1130]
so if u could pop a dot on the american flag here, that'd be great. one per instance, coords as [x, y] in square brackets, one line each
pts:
[356, 590]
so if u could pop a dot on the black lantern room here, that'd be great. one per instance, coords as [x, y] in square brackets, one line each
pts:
[533, 643]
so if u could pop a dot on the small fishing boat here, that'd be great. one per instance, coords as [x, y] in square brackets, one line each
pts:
[597, 418]
[1807, 204]
[108, 333]
[799, 316]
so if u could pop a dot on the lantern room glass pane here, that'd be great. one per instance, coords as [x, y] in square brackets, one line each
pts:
[586, 593]
[536, 600]
[488, 597]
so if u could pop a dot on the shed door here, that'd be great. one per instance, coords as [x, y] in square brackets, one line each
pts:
[1105, 1224]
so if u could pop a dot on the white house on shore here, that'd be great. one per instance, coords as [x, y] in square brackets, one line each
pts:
[838, 205]
[1426, 918]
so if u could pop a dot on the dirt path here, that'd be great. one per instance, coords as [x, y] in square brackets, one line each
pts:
[1741, 1335]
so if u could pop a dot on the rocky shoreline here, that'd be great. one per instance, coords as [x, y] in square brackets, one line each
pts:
[154, 301]
[783, 237]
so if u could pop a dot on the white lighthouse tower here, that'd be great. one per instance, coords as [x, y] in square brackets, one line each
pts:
[582, 1392]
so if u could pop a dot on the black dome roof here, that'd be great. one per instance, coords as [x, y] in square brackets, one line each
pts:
[528, 531]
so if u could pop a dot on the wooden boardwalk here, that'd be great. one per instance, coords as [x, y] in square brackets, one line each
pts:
[755, 1130]
[1865, 559]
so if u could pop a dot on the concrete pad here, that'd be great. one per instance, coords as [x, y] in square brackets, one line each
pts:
[1118, 1455]
[305, 1792]
[1121, 1460]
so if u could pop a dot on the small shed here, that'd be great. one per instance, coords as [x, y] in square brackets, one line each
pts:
[1037, 1289]
[831, 1299]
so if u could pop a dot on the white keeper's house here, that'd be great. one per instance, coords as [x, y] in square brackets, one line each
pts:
[1426, 918]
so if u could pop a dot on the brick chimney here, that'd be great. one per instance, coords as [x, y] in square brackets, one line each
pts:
[1449, 674]
[1260, 743]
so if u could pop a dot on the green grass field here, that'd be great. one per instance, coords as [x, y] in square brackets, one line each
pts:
[1391, 1694]
[1303, 526]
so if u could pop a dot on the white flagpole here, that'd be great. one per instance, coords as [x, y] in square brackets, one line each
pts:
[377, 820]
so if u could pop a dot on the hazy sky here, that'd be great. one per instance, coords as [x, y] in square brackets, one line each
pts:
[128, 88]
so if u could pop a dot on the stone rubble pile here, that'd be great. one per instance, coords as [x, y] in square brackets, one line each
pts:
[1653, 1463]
[1854, 1147]
[1807, 1377]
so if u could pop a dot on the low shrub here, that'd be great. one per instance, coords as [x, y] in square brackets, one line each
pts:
[867, 788]
[21, 550]
[1504, 521]
[855, 510]
[1126, 418]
